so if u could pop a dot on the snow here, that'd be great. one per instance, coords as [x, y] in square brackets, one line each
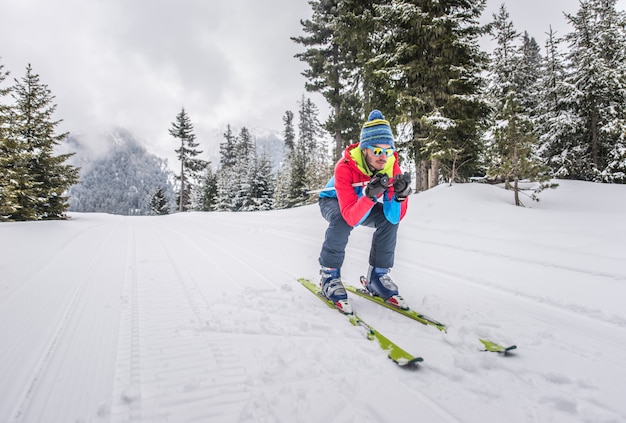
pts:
[198, 316]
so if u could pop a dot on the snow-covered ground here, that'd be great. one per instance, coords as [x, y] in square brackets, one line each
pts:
[198, 316]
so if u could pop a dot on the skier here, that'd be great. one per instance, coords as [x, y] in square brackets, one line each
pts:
[370, 190]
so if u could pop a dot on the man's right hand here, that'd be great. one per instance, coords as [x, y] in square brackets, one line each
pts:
[377, 185]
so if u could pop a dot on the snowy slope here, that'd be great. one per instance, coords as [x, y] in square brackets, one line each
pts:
[198, 316]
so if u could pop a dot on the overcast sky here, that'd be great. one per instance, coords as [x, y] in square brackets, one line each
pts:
[135, 63]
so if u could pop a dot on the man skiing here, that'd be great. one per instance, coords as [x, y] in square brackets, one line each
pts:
[370, 190]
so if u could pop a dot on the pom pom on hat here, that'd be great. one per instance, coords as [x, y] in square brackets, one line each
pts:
[375, 114]
[376, 131]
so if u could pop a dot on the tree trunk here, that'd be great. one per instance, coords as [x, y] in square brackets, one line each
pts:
[434, 173]
[453, 171]
[182, 176]
[338, 138]
[595, 139]
[421, 177]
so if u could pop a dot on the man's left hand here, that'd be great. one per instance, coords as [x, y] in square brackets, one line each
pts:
[402, 186]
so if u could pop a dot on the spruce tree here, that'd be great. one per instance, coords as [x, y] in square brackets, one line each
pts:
[555, 121]
[159, 205]
[244, 182]
[42, 178]
[8, 198]
[513, 145]
[310, 165]
[206, 196]
[263, 185]
[528, 74]
[318, 164]
[243, 178]
[228, 149]
[282, 197]
[227, 172]
[334, 35]
[289, 132]
[190, 167]
[598, 72]
[428, 55]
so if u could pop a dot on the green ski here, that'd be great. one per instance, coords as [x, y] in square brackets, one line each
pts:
[408, 313]
[364, 293]
[394, 352]
[493, 347]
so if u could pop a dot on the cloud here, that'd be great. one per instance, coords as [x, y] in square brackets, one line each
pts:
[134, 64]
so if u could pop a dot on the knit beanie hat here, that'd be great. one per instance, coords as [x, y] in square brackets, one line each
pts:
[376, 131]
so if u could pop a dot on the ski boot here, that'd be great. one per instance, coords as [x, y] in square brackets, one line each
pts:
[379, 283]
[333, 289]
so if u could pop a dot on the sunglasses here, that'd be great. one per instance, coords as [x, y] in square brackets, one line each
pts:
[377, 151]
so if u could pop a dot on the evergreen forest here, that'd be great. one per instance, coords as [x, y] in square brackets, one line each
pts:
[520, 113]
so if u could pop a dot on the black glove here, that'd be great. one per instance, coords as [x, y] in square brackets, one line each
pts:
[377, 185]
[402, 186]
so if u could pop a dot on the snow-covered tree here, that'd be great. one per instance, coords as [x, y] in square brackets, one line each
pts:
[205, 195]
[555, 121]
[159, 204]
[312, 164]
[289, 132]
[226, 171]
[122, 180]
[597, 58]
[282, 195]
[263, 185]
[308, 166]
[243, 177]
[191, 168]
[334, 43]
[512, 146]
[8, 197]
[429, 57]
[40, 178]
[244, 181]
[228, 149]
[528, 74]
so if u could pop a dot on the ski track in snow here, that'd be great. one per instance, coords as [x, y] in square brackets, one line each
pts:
[168, 365]
[198, 317]
[55, 321]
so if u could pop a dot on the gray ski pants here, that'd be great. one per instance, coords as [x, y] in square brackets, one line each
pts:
[384, 238]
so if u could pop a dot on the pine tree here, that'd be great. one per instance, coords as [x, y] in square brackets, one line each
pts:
[227, 172]
[598, 72]
[42, 178]
[8, 198]
[513, 146]
[310, 165]
[289, 132]
[281, 188]
[555, 121]
[245, 180]
[528, 74]
[190, 167]
[159, 205]
[242, 179]
[330, 63]
[206, 195]
[429, 57]
[263, 185]
[228, 149]
[283, 184]
[318, 164]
